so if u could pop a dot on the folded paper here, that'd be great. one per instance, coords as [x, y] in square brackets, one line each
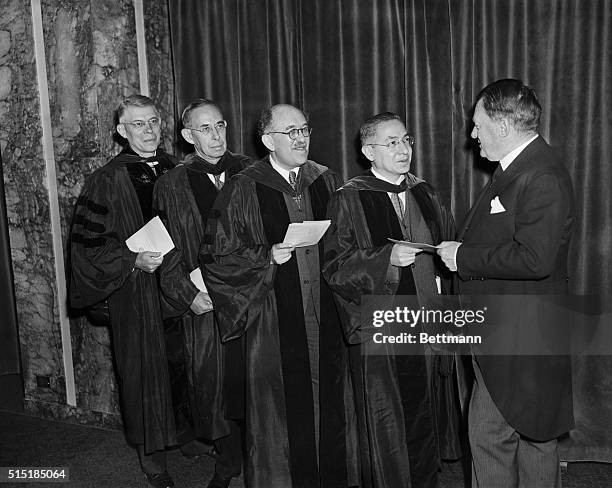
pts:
[152, 236]
[197, 280]
[415, 245]
[307, 233]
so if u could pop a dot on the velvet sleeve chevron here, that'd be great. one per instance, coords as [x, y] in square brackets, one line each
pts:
[100, 260]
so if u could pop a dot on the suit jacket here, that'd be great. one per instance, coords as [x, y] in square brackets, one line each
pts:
[523, 251]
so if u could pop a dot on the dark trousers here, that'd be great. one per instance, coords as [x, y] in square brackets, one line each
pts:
[501, 457]
[229, 452]
[151, 463]
[228, 460]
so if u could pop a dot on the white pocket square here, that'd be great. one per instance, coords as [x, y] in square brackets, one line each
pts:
[496, 206]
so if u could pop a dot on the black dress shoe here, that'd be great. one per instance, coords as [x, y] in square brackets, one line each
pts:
[195, 449]
[219, 482]
[160, 480]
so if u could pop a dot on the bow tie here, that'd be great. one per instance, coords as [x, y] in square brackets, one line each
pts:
[151, 161]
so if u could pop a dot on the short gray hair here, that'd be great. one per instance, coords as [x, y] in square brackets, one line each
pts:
[135, 100]
[512, 99]
[369, 126]
[197, 103]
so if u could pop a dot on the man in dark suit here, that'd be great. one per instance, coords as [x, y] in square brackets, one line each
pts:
[515, 242]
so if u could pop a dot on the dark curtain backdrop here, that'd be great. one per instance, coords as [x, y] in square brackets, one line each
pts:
[9, 338]
[345, 60]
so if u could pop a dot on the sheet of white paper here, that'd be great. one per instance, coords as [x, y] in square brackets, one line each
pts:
[197, 280]
[307, 233]
[152, 236]
[416, 245]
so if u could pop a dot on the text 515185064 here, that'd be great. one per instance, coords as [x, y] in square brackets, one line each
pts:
[29, 474]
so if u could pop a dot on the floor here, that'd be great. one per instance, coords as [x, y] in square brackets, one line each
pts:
[99, 458]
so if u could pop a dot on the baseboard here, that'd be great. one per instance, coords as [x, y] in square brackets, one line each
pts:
[72, 415]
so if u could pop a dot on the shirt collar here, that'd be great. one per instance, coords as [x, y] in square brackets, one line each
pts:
[221, 176]
[282, 171]
[381, 177]
[512, 155]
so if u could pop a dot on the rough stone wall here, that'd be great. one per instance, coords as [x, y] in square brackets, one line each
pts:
[91, 60]
[28, 205]
[159, 56]
[91, 64]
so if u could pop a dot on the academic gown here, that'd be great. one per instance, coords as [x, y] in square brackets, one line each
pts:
[263, 302]
[115, 203]
[393, 393]
[183, 199]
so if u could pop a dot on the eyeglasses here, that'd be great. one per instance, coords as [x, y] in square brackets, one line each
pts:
[153, 123]
[393, 145]
[207, 130]
[293, 133]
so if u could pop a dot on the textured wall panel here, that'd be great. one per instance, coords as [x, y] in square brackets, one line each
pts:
[91, 64]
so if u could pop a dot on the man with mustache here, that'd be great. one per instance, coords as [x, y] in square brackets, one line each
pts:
[272, 295]
[116, 202]
[396, 412]
[205, 407]
[515, 241]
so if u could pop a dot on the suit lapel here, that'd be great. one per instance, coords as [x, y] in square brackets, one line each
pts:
[480, 202]
[499, 181]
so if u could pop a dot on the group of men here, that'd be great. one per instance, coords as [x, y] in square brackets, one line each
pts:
[266, 361]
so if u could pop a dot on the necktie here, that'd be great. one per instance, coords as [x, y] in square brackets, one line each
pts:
[496, 174]
[218, 182]
[153, 166]
[398, 206]
[293, 182]
[488, 192]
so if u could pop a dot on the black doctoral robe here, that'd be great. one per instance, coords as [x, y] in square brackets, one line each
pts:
[263, 302]
[183, 199]
[394, 394]
[115, 203]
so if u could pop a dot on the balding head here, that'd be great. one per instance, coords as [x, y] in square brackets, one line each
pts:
[285, 133]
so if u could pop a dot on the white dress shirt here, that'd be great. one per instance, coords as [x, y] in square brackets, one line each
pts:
[512, 155]
[211, 177]
[401, 178]
[282, 171]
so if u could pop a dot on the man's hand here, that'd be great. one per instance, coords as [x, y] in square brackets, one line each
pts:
[148, 261]
[447, 250]
[402, 255]
[201, 303]
[281, 253]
